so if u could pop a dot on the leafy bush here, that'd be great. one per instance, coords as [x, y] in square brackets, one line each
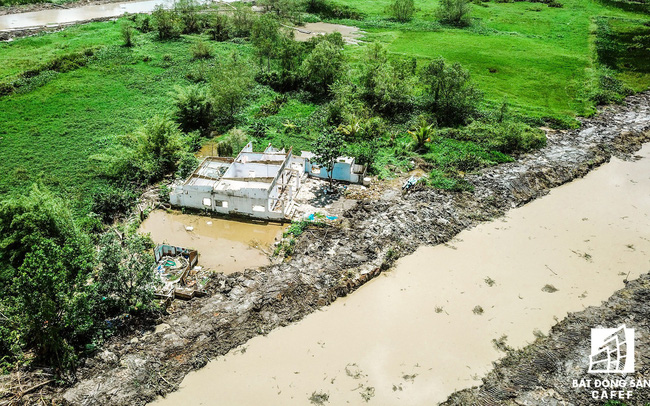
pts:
[323, 66]
[125, 278]
[201, 50]
[329, 9]
[243, 18]
[506, 137]
[166, 23]
[230, 84]
[219, 27]
[193, 108]
[455, 12]
[127, 34]
[387, 88]
[145, 156]
[402, 10]
[187, 164]
[188, 13]
[231, 143]
[109, 202]
[450, 95]
[45, 262]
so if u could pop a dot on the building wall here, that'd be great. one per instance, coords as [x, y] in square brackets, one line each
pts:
[193, 197]
[341, 171]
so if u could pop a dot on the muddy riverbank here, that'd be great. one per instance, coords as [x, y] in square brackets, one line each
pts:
[429, 326]
[544, 372]
[332, 262]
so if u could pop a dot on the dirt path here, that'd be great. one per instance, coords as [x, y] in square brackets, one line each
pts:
[333, 262]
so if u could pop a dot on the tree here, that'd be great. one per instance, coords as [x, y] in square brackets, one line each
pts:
[386, 88]
[194, 109]
[422, 133]
[166, 23]
[219, 27]
[187, 10]
[229, 87]
[242, 20]
[266, 38]
[454, 12]
[145, 156]
[449, 95]
[127, 34]
[282, 8]
[126, 278]
[323, 66]
[402, 10]
[327, 148]
[45, 262]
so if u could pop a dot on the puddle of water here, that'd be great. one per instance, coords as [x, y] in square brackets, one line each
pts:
[224, 245]
[412, 334]
[208, 149]
[310, 30]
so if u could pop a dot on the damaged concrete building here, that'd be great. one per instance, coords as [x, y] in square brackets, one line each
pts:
[255, 184]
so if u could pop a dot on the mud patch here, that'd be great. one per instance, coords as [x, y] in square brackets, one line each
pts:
[350, 34]
[224, 245]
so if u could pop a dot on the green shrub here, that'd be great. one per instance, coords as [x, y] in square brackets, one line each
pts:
[450, 95]
[329, 9]
[166, 23]
[188, 14]
[127, 34]
[607, 88]
[402, 10]
[110, 202]
[186, 165]
[219, 27]
[201, 50]
[231, 143]
[506, 137]
[455, 12]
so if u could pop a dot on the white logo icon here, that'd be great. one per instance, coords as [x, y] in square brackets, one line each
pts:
[612, 350]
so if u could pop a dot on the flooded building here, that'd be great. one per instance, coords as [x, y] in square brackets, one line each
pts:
[255, 184]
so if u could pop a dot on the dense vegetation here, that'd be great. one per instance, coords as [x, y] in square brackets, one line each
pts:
[96, 112]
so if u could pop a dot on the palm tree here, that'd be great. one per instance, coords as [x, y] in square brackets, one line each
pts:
[422, 133]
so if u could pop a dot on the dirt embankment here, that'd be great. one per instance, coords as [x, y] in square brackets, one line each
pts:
[333, 262]
[543, 373]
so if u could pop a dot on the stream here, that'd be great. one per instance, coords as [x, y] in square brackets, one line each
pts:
[426, 328]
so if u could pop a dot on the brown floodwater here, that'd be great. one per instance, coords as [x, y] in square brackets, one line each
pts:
[224, 245]
[61, 16]
[415, 334]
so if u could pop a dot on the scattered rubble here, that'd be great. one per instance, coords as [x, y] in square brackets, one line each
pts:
[333, 261]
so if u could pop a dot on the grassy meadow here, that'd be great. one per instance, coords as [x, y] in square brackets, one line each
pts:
[541, 59]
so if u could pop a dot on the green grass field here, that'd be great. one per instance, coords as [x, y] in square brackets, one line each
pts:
[540, 58]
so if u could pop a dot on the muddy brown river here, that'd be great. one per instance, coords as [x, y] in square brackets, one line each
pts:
[425, 328]
[224, 245]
